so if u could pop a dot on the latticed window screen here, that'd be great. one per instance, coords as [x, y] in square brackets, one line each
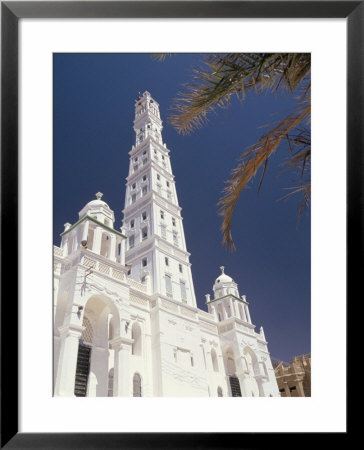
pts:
[110, 383]
[137, 385]
[87, 334]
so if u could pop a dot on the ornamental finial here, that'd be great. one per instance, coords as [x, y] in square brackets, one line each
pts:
[222, 268]
[99, 195]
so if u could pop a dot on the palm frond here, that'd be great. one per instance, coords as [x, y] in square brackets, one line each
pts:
[222, 76]
[250, 162]
[305, 190]
[160, 56]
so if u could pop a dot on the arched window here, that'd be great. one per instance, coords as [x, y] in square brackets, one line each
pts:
[214, 360]
[136, 335]
[110, 386]
[219, 392]
[137, 385]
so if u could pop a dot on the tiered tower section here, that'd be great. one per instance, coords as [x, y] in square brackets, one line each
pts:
[156, 248]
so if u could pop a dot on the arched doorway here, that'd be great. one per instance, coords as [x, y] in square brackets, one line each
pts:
[95, 357]
[253, 374]
[230, 367]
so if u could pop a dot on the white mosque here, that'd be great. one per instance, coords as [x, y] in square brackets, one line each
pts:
[126, 322]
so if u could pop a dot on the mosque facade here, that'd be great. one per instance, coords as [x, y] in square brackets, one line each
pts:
[126, 321]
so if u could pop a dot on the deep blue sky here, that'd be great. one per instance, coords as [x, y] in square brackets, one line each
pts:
[94, 98]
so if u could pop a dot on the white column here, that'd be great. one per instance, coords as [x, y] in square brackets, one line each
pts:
[66, 373]
[214, 312]
[99, 366]
[96, 247]
[74, 243]
[242, 311]
[223, 312]
[122, 247]
[147, 386]
[64, 242]
[231, 307]
[112, 248]
[243, 381]
[85, 231]
[234, 311]
[248, 313]
[122, 381]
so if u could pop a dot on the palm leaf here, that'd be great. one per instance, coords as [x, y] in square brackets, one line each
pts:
[250, 162]
[222, 76]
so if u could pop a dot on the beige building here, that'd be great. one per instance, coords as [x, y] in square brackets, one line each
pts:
[294, 379]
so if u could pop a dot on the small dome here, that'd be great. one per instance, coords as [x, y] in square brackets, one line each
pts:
[223, 278]
[97, 207]
[98, 201]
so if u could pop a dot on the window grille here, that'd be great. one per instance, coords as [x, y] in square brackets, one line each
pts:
[137, 385]
[87, 334]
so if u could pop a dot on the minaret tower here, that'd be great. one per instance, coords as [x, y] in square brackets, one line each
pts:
[156, 247]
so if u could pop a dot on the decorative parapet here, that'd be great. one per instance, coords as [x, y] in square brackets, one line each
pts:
[208, 315]
[177, 308]
[187, 312]
[112, 272]
[227, 327]
[139, 301]
[208, 327]
[136, 285]
[103, 268]
[57, 251]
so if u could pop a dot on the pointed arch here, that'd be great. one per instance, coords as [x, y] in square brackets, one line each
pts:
[252, 360]
[101, 319]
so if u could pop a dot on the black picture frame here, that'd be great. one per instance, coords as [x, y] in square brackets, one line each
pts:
[11, 12]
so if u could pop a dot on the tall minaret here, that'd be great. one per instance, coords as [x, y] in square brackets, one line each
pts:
[156, 247]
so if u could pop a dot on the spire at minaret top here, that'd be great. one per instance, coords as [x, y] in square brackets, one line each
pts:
[222, 268]
[147, 121]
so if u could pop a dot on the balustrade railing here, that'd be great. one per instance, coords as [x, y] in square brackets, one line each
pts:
[57, 251]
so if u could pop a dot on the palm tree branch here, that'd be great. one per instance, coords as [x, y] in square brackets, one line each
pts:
[224, 75]
[250, 162]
